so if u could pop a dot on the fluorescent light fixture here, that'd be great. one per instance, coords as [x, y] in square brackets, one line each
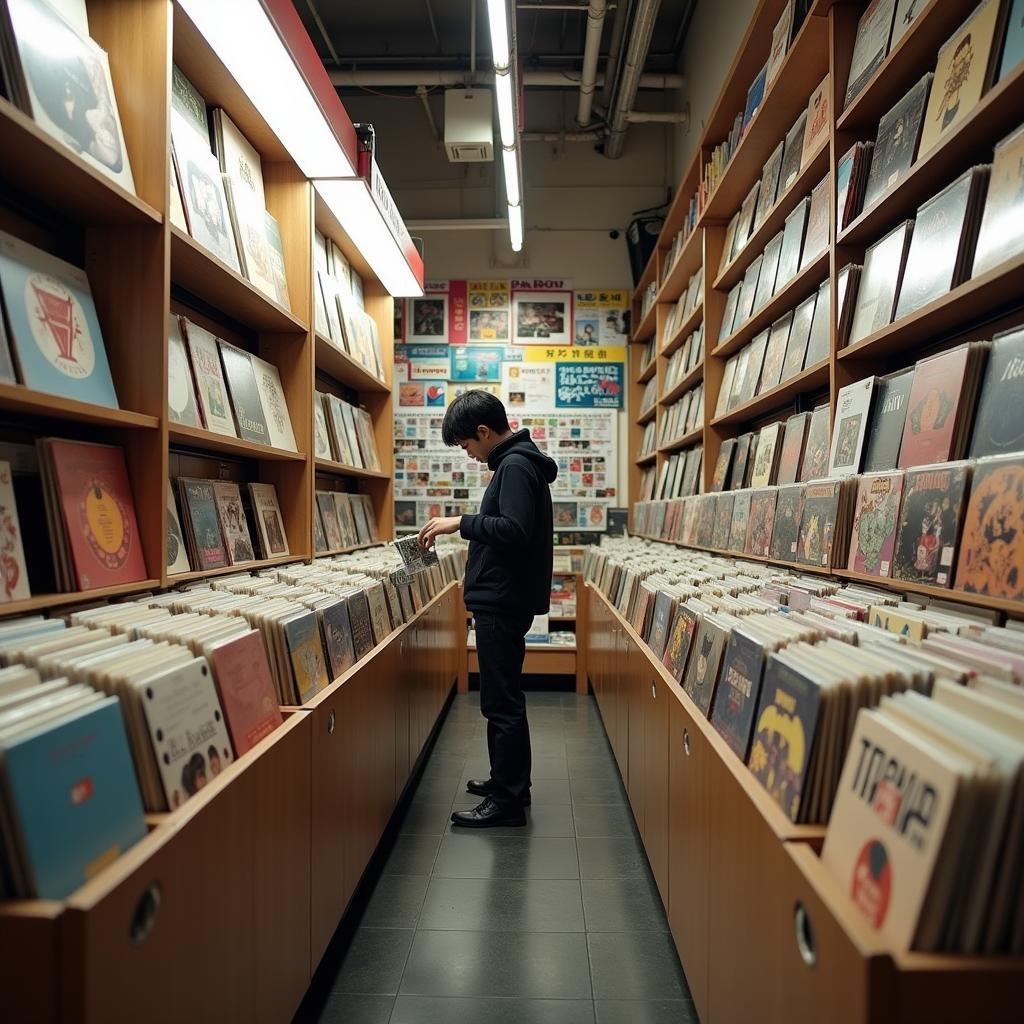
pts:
[503, 86]
[247, 43]
[351, 202]
[497, 15]
[510, 162]
[515, 227]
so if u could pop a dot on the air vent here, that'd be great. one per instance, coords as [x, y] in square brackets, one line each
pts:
[468, 154]
[469, 125]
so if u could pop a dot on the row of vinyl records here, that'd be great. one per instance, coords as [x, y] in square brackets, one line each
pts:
[803, 239]
[343, 433]
[682, 416]
[912, 753]
[135, 706]
[953, 524]
[685, 305]
[947, 242]
[679, 476]
[675, 251]
[805, 136]
[685, 359]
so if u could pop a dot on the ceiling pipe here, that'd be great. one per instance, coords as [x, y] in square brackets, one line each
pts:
[530, 79]
[596, 135]
[457, 224]
[615, 48]
[423, 94]
[323, 31]
[625, 93]
[579, 8]
[591, 51]
[472, 37]
[433, 26]
[657, 117]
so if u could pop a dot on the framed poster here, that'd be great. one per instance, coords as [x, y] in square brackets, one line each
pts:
[427, 319]
[529, 386]
[476, 363]
[542, 318]
[601, 318]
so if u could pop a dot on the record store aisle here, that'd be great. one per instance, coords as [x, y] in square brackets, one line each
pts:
[556, 922]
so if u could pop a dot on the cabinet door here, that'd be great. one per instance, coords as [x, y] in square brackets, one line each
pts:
[637, 699]
[656, 782]
[688, 759]
[622, 703]
[405, 680]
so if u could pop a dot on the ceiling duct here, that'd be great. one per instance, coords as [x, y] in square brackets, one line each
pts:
[637, 45]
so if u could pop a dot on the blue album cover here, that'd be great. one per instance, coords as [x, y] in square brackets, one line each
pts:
[755, 96]
[54, 328]
[1013, 47]
[75, 798]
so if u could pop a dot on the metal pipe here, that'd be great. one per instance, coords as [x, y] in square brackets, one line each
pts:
[592, 136]
[455, 224]
[615, 46]
[421, 91]
[472, 37]
[632, 68]
[579, 8]
[433, 25]
[654, 117]
[591, 52]
[323, 31]
[569, 79]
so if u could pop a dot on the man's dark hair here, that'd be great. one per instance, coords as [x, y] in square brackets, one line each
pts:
[469, 411]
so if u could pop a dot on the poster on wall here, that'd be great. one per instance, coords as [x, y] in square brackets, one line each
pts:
[528, 386]
[457, 390]
[427, 318]
[422, 362]
[601, 318]
[579, 515]
[476, 362]
[589, 385]
[419, 394]
[543, 318]
[488, 311]
[574, 354]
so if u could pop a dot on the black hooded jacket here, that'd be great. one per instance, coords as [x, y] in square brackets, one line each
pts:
[510, 549]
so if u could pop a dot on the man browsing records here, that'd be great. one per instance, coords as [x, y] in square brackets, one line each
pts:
[508, 581]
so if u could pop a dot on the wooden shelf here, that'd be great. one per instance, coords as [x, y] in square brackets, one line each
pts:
[683, 269]
[343, 368]
[340, 469]
[44, 602]
[62, 179]
[905, 64]
[814, 378]
[687, 439]
[994, 117]
[650, 274]
[648, 415]
[20, 399]
[647, 325]
[977, 300]
[198, 271]
[693, 377]
[775, 219]
[646, 460]
[347, 551]
[228, 570]
[803, 285]
[686, 328]
[806, 64]
[648, 371]
[207, 440]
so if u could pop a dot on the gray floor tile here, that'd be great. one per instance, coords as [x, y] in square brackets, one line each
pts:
[659, 1011]
[395, 902]
[412, 855]
[601, 820]
[597, 791]
[635, 965]
[553, 821]
[612, 857]
[353, 1009]
[522, 964]
[544, 767]
[476, 855]
[444, 766]
[426, 818]
[550, 791]
[623, 905]
[503, 904]
[510, 1010]
[602, 766]
[440, 790]
[374, 962]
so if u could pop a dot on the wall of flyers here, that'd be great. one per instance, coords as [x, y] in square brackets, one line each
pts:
[518, 340]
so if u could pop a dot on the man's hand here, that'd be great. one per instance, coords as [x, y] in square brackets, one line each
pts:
[436, 527]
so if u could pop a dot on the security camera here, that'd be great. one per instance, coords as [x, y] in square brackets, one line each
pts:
[613, 235]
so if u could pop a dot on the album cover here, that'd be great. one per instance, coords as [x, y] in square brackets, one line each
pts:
[792, 155]
[961, 73]
[738, 691]
[272, 231]
[793, 447]
[816, 129]
[768, 193]
[819, 341]
[306, 654]
[245, 396]
[792, 245]
[269, 523]
[906, 14]
[871, 46]
[723, 521]
[752, 371]
[766, 287]
[234, 528]
[999, 420]
[702, 670]
[816, 449]
[273, 403]
[723, 465]
[991, 559]
[933, 500]
[321, 435]
[781, 36]
[852, 406]
[766, 459]
[789, 508]
[729, 315]
[199, 506]
[933, 406]
[176, 551]
[680, 640]
[799, 335]
[775, 354]
[740, 521]
[54, 327]
[1013, 42]
[942, 239]
[748, 291]
[888, 417]
[818, 223]
[248, 222]
[210, 384]
[1001, 235]
[896, 143]
[880, 283]
[755, 97]
[181, 394]
[746, 221]
[739, 462]
[761, 522]
[876, 517]
[818, 524]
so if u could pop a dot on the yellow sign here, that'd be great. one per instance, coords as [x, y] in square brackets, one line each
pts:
[574, 353]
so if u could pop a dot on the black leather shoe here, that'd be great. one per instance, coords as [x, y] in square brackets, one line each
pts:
[490, 815]
[484, 787]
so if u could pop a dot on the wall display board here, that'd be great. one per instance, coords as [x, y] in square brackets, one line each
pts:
[601, 318]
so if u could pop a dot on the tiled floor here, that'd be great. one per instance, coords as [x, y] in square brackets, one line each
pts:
[556, 922]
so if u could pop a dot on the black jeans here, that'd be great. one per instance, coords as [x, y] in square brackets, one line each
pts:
[500, 648]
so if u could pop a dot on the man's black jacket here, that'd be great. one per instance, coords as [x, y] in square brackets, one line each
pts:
[510, 550]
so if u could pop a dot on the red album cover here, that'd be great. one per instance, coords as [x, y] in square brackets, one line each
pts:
[935, 396]
[99, 513]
